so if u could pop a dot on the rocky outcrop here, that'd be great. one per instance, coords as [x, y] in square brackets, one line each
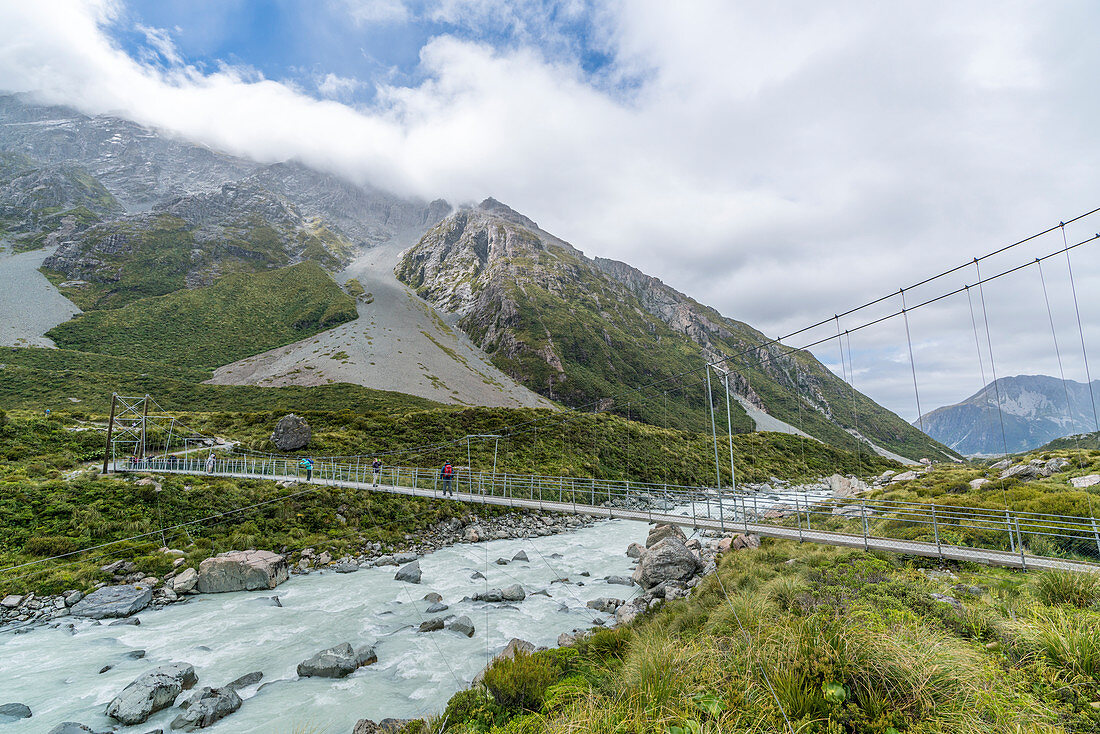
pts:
[668, 560]
[185, 581]
[291, 433]
[337, 662]
[242, 571]
[71, 727]
[114, 601]
[151, 692]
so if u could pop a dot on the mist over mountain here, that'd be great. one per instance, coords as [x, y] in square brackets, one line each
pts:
[1033, 409]
[487, 308]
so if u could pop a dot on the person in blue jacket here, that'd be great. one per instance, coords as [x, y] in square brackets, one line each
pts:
[307, 464]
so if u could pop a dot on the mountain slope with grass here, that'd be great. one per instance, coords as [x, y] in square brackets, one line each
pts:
[239, 315]
[586, 332]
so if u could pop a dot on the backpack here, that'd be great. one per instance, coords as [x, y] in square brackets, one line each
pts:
[448, 470]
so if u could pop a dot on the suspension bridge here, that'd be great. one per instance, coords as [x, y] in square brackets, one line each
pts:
[142, 437]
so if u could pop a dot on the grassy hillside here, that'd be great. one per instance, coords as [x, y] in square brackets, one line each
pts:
[1089, 441]
[237, 316]
[36, 379]
[48, 506]
[818, 640]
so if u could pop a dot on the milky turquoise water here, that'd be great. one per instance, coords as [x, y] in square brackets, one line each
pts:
[227, 635]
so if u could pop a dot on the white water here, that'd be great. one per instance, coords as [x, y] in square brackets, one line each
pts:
[56, 673]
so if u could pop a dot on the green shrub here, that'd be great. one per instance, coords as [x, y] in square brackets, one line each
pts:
[520, 683]
[472, 706]
[1067, 587]
[50, 545]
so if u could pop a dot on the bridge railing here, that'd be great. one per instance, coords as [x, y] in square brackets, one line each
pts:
[1022, 533]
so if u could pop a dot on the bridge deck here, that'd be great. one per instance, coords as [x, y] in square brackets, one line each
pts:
[893, 545]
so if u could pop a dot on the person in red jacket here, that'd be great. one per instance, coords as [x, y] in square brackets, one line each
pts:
[447, 474]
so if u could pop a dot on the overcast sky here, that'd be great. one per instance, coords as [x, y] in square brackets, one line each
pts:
[779, 161]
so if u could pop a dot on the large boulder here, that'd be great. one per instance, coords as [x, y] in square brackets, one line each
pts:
[291, 433]
[668, 560]
[337, 662]
[843, 486]
[114, 601]
[206, 707]
[242, 571]
[660, 532]
[1023, 472]
[410, 573]
[185, 581]
[71, 727]
[634, 550]
[150, 692]
[1085, 481]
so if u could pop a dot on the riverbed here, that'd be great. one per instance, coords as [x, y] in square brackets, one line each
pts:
[55, 671]
[29, 304]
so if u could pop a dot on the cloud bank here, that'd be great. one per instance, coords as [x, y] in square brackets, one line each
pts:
[779, 162]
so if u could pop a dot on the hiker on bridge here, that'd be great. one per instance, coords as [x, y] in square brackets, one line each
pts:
[447, 474]
[210, 463]
[377, 466]
[307, 464]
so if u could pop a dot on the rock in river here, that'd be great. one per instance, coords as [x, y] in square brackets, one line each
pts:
[462, 626]
[668, 560]
[114, 601]
[242, 571]
[337, 662]
[409, 573]
[151, 692]
[513, 593]
[660, 532]
[206, 707]
[13, 711]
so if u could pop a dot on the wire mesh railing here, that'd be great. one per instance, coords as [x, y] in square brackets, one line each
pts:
[806, 513]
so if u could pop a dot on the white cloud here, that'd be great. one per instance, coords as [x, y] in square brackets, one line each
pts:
[775, 161]
[338, 87]
[159, 40]
[375, 12]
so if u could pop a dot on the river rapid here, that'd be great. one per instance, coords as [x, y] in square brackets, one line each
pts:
[56, 672]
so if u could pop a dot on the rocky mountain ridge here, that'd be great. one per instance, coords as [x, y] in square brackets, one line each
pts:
[586, 332]
[1033, 408]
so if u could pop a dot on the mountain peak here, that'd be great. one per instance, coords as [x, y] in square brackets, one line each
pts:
[496, 208]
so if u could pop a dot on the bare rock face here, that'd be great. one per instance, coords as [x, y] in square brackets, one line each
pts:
[291, 433]
[151, 692]
[242, 571]
[668, 560]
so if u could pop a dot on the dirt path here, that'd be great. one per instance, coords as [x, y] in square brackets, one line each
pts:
[398, 343]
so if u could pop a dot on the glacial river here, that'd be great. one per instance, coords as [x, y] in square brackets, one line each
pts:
[56, 672]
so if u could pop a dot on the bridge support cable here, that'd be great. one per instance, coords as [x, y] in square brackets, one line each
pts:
[1061, 368]
[1000, 413]
[852, 386]
[1080, 328]
[912, 363]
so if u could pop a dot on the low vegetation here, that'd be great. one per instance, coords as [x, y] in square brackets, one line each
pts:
[817, 639]
[53, 502]
[238, 316]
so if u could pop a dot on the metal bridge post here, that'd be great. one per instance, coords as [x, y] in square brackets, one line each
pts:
[1008, 527]
[1095, 535]
[863, 517]
[936, 532]
[1020, 543]
[744, 512]
[798, 516]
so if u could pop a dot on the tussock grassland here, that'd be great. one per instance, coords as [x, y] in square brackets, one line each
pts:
[830, 640]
